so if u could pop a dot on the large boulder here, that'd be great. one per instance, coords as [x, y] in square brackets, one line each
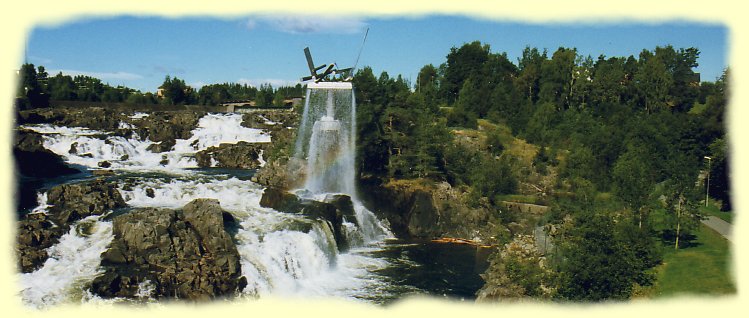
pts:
[36, 233]
[287, 173]
[33, 160]
[72, 202]
[242, 155]
[69, 203]
[335, 210]
[185, 254]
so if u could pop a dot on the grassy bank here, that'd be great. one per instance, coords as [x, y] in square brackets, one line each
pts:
[715, 211]
[703, 269]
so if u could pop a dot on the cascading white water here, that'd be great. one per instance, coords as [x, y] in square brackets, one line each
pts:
[89, 147]
[72, 262]
[280, 253]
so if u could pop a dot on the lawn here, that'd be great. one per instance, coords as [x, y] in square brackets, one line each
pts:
[715, 211]
[703, 269]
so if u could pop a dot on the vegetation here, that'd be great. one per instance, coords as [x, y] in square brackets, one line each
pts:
[38, 89]
[616, 146]
[606, 142]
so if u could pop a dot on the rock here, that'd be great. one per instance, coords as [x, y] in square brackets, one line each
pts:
[282, 173]
[91, 117]
[102, 172]
[185, 254]
[242, 155]
[333, 210]
[33, 160]
[343, 204]
[35, 235]
[104, 164]
[162, 146]
[425, 209]
[166, 127]
[150, 193]
[70, 203]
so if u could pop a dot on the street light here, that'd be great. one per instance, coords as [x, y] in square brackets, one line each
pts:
[707, 188]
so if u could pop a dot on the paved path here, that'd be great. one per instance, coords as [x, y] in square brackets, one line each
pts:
[720, 226]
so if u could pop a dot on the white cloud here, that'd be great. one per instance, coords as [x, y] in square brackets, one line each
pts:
[298, 24]
[275, 82]
[100, 75]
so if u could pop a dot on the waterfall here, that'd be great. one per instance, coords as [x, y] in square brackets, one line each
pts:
[327, 140]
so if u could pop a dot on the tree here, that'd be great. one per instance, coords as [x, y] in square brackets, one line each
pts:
[30, 92]
[653, 82]
[461, 64]
[634, 181]
[557, 76]
[597, 264]
[530, 73]
[175, 91]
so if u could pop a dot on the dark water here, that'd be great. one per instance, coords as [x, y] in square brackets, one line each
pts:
[433, 269]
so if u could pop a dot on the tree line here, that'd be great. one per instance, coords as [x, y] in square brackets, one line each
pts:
[628, 137]
[38, 89]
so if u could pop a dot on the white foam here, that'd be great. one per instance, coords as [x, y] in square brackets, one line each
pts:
[93, 147]
[139, 115]
[72, 263]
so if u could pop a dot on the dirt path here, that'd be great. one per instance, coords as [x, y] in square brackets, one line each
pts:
[720, 226]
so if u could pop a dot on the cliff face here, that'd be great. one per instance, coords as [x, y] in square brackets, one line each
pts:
[424, 209]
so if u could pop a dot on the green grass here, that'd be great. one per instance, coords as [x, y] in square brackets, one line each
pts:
[521, 198]
[698, 270]
[715, 211]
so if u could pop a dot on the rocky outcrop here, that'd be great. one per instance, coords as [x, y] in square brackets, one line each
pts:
[166, 127]
[91, 117]
[282, 173]
[334, 210]
[162, 127]
[270, 119]
[185, 254]
[242, 155]
[424, 209]
[33, 160]
[35, 234]
[69, 203]
[72, 202]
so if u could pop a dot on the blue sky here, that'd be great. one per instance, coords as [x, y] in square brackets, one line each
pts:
[140, 51]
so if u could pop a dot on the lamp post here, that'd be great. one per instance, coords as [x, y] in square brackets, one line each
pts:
[707, 188]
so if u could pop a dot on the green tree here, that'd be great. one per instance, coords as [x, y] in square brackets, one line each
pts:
[175, 91]
[30, 92]
[634, 181]
[557, 76]
[653, 82]
[598, 265]
[530, 73]
[461, 64]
